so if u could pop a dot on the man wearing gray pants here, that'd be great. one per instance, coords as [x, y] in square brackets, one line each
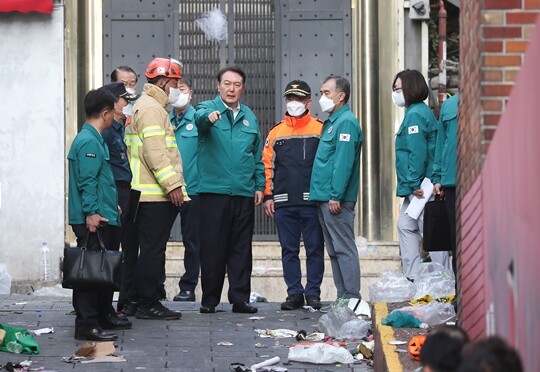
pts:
[335, 183]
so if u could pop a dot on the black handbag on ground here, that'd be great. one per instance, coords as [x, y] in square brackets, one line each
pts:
[436, 227]
[88, 269]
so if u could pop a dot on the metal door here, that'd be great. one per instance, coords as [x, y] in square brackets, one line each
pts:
[250, 45]
[134, 32]
[313, 41]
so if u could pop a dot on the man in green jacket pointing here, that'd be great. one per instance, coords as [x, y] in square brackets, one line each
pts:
[231, 183]
[335, 182]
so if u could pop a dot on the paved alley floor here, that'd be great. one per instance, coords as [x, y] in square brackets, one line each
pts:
[188, 344]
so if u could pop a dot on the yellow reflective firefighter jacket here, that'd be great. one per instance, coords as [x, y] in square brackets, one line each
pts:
[153, 155]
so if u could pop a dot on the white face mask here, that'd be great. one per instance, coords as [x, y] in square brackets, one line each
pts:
[127, 110]
[398, 98]
[174, 94]
[295, 108]
[182, 101]
[327, 104]
[130, 90]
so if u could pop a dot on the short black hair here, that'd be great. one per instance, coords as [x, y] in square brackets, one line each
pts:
[413, 86]
[491, 354]
[186, 80]
[342, 85]
[114, 74]
[442, 348]
[236, 69]
[95, 101]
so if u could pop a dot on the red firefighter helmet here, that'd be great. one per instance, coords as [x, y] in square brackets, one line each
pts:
[166, 67]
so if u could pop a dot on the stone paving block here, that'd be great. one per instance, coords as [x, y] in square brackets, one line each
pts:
[188, 344]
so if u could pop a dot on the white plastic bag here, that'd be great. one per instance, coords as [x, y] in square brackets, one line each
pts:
[432, 313]
[330, 323]
[435, 280]
[391, 287]
[5, 279]
[355, 329]
[320, 354]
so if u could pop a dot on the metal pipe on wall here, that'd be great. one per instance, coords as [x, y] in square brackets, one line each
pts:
[369, 49]
[442, 53]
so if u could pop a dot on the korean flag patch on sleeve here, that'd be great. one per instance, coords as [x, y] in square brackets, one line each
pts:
[413, 129]
[345, 137]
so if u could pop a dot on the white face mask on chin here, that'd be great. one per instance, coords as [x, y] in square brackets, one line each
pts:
[130, 90]
[398, 98]
[182, 100]
[295, 108]
[327, 104]
[174, 94]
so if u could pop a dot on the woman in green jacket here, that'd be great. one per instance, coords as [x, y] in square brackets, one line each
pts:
[415, 153]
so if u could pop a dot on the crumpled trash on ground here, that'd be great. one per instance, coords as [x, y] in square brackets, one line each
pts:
[241, 367]
[255, 297]
[355, 329]
[5, 279]
[42, 331]
[276, 333]
[435, 280]
[366, 349]
[391, 287]
[401, 319]
[330, 323]
[320, 354]
[95, 352]
[432, 314]
[360, 307]
[427, 299]
[265, 363]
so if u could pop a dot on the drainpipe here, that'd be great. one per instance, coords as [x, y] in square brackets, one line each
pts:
[442, 52]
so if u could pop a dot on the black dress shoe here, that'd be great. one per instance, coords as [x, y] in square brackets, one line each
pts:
[207, 309]
[186, 296]
[95, 334]
[314, 302]
[293, 302]
[242, 307]
[113, 321]
[130, 308]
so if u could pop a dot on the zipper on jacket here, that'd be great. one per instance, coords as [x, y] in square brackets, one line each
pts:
[304, 149]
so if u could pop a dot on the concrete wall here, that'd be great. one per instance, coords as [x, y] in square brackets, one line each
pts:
[32, 131]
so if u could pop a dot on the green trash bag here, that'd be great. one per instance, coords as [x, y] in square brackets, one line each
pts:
[18, 340]
[400, 319]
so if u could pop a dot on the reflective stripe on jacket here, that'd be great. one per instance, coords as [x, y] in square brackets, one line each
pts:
[288, 155]
[153, 155]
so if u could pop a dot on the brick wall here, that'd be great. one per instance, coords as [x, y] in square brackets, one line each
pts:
[493, 41]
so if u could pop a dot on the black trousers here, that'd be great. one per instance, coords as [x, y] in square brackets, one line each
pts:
[189, 222]
[90, 305]
[153, 227]
[123, 189]
[225, 237]
[130, 247]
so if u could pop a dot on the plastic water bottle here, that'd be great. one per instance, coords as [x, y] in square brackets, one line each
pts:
[14, 347]
[45, 265]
